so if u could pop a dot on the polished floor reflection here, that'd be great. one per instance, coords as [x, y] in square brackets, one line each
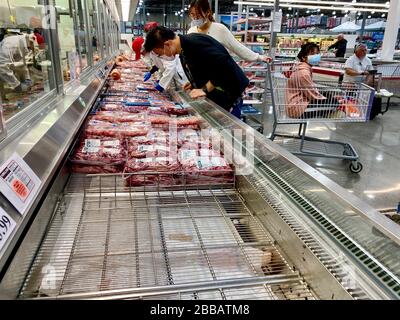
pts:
[378, 145]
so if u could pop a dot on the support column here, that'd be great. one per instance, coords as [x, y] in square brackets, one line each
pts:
[391, 31]
[216, 11]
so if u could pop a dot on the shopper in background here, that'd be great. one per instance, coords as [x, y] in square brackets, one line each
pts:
[137, 44]
[14, 74]
[203, 22]
[340, 46]
[302, 94]
[357, 66]
[209, 67]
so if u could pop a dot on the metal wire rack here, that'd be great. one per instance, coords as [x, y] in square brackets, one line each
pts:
[108, 241]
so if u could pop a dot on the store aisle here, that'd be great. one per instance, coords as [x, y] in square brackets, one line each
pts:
[378, 145]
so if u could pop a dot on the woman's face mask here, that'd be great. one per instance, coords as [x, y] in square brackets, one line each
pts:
[197, 22]
[314, 59]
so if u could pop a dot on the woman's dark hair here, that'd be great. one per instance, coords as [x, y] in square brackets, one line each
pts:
[306, 49]
[202, 6]
[156, 38]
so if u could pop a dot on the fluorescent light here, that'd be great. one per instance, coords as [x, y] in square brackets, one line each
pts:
[323, 4]
[353, 4]
[126, 7]
[271, 4]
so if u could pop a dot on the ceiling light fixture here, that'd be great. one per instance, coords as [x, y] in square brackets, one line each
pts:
[323, 4]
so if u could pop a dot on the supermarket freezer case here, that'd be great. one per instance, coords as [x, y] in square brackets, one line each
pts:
[280, 231]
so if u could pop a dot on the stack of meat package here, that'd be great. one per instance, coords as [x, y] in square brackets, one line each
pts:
[144, 135]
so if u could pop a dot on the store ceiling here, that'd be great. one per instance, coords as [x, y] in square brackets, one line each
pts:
[224, 6]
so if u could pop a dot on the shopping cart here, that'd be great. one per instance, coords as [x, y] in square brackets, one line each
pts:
[389, 75]
[296, 103]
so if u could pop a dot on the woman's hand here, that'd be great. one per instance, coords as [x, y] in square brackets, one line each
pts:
[187, 86]
[197, 93]
[266, 59]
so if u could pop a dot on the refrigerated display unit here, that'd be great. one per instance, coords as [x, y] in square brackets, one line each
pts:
[280, 230]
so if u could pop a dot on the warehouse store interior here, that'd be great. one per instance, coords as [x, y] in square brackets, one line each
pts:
[200, 149]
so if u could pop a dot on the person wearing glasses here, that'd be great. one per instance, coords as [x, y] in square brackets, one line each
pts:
[357, 66]
[203, 22]
[170, 68]
[210, 69]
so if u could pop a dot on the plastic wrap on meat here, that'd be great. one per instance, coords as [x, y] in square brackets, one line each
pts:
[109, 116]
[176, 110]
[111, 107]
[105, 151]
[187, 122]
[132, 101]
[129, 129]
[135, 109]
[102, 129]
[162, 164]
[202, 169]
[147, 150]
[188, 135]
[156, 111]
[92, 169]
[143, 169]
[132, 117]
[159, 120]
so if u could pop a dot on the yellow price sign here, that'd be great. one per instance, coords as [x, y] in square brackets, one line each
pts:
[12, 19]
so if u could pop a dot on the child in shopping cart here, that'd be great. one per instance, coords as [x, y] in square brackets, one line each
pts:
[303, 98]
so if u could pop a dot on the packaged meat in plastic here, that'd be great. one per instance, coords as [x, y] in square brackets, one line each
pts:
[188, 135]
[93, 169]
[159, 120]
[139, 150]
[187, 121]
[156, 111]
[144, 172]
[111, 107]
[133, 117]
[102, 129]
[135, 109]
[109, 116]
[177, 110]
[136, 102]
[114, 99]
[133, 129]
[160, 164]
[100, 151]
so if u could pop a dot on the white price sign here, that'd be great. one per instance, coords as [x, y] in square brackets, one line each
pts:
[18, 183]
[7, 225]
[277, 23]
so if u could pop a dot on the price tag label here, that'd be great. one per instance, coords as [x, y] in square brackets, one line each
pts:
[18, 183]
[7, 225]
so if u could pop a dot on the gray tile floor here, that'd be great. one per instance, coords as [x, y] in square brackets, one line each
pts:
[378, 145]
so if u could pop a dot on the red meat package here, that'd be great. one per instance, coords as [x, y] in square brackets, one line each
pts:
[132, 117]
[112, 107]
[147, 150]
[174, 109]
[104, 151]
[135, 109]
[156, 111]
[207, 167]
[102, 129]
[140, 172]
[133, 129]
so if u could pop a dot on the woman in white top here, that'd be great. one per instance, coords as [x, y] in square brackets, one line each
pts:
[203, 22]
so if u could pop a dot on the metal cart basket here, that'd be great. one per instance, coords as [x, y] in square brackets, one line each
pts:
[296, 102]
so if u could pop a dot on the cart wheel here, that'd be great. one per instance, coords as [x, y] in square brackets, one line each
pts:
[356, 168]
